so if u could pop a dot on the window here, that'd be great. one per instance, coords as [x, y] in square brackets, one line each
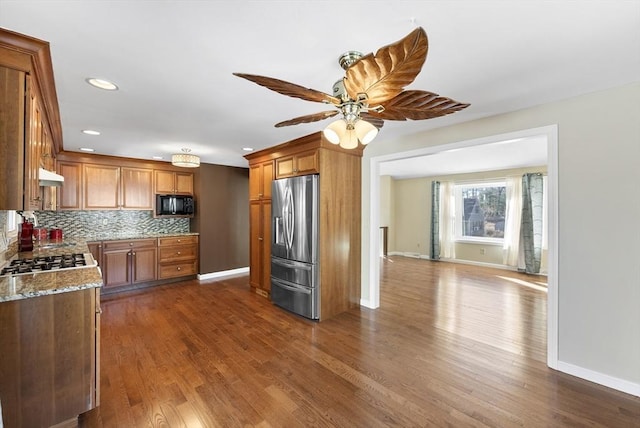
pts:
[11, 221]
[480, 211]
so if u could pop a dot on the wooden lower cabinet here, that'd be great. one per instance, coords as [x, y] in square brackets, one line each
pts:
[52, 372]
[134, 263]
[177, 256]
[128, 262]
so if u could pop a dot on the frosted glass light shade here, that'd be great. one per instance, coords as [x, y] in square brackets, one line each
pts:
[365, 131]
[349, 140]
[334, 132]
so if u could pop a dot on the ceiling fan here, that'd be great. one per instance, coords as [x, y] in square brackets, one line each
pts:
[371, 92]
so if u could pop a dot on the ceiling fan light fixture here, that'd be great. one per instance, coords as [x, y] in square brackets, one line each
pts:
[365, 131]
[185, 159]
[335, 131]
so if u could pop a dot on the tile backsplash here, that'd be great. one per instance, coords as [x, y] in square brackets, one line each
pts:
[88, 224]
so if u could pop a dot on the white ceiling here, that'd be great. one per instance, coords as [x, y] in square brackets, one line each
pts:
[173, 62]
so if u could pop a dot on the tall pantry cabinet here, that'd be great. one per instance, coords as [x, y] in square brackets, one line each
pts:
[340, 207]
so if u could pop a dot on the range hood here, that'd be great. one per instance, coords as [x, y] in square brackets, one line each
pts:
[48, 178]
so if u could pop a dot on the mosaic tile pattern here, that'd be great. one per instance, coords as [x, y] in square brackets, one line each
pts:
[87, 224]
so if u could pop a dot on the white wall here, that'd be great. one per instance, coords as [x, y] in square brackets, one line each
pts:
[598, 214]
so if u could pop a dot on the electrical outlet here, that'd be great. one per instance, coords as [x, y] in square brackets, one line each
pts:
[105, 221]
[482, 251]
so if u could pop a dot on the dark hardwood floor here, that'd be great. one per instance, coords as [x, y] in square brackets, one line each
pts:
[450, 346]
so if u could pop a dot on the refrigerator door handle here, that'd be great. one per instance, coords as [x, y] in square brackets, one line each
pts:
[289, 217]
[291, 264]
[291, 288]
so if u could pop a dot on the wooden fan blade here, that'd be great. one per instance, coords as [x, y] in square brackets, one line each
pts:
[384, 75]
[418, 105]
[375, 121]
[308, 118]
[290, 89]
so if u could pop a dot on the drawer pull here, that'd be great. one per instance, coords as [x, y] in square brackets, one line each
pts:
[179, 268]
[179, 253]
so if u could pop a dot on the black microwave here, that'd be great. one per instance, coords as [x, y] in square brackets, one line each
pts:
[174, 205]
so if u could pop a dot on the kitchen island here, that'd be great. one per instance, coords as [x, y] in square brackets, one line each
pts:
[50, 342]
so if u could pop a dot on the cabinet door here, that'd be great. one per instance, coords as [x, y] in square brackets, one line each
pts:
[116, 267]
[266, 246]
[71, 192]
[255, 243]
[101, 183]
[33, 147]
[12, 145]
[164, 182]
[306, 163]
[285, 167]
[260, 178]
[184, 183]
[137, 188]
[144, 264]
[255, 182]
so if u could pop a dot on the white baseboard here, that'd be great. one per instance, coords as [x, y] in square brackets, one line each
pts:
[464, 262]
[367, 304]
[223, 274]
[600, 378]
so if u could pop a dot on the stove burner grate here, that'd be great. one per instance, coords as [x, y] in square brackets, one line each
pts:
[44, 264]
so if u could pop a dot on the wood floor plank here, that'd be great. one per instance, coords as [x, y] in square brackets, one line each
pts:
[451, 345]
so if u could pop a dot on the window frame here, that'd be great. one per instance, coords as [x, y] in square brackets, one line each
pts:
[459, 210]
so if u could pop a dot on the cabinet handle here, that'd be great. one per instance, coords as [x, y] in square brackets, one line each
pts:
[179, 253]
[259, 239]
[133, 254]
[99, 245]
[179, 241]
[179, 268]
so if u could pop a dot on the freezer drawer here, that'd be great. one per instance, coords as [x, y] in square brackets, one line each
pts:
[295, 298]
[304, 274]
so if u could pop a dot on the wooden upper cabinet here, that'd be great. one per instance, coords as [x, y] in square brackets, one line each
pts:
[297, 164]
[70, 197]
[29, 121]
[173, 182]
[260, 178]
[114, 187]
[101, 187]
[137, 185]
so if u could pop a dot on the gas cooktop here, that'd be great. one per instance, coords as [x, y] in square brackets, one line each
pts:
[41, 264]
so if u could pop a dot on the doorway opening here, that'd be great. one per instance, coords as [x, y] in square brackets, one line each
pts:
[371, 288]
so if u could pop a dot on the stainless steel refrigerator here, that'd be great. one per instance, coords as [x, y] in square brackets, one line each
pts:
[294, 245]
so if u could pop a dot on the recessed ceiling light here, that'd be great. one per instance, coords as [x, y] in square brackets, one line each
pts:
[247, 149]
[86, 149]
[102, 84]
[157, 157]
[90, 132]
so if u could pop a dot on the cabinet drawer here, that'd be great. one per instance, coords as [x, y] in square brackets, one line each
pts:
[178, 253]
[125, 244]
[175, 270]
[177, 240]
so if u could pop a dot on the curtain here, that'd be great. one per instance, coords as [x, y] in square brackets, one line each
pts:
[511, 242]
[435, 221]
[447, 220]
[531, 227]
